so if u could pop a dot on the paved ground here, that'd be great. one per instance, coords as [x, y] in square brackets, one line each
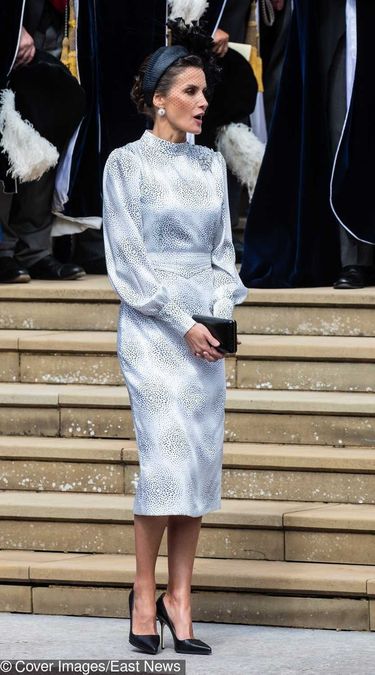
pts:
[253, 650]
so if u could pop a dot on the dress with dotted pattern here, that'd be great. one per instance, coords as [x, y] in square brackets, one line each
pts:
[170, 255]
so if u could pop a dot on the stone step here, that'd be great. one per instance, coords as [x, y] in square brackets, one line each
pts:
[63, 464]
[342, 533]
[316, 363]
[242, 529]
[307, 311]
[104, 524]
[252, 416]
[73, 305]
[59, 305]
[304, 595]
[250, 471]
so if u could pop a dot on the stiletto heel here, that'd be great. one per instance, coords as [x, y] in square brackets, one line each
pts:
[161, 634]
[145, 643]
[187, 646]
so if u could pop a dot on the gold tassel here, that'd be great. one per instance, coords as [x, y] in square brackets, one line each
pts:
[65, 51]
[252, 38]
[69, 45]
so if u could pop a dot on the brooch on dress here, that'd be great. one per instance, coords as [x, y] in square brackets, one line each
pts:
[203, 155]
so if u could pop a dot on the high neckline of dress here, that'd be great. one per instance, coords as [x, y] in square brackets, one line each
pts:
[161, 143]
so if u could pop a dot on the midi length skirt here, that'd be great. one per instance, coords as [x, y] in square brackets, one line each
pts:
[177, 400]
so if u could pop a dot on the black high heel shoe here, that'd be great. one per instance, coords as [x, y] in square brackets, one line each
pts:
[187, 646]
[145, 643]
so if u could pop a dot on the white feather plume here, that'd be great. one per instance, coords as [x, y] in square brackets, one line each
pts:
[189, 10]
[243, 153]
[29, 154]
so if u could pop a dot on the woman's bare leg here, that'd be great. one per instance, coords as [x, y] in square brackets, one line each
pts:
[183, 534]
[148, 534]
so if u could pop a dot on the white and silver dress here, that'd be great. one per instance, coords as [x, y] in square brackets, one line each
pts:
[170, 255]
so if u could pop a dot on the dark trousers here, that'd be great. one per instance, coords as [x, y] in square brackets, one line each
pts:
[88, 246]
[234, 198]
[27, 220]
[332, 48]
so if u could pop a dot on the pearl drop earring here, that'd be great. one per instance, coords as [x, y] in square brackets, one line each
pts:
[161, 112]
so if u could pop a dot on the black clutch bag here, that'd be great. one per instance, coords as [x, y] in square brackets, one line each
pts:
[224, 330]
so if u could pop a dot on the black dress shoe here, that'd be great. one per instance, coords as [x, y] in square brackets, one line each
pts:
[50, 268]
[11, 272]
[186, 646]
[354, 276]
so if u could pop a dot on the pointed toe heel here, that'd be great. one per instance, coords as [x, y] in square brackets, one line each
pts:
[186, 646]
[145, 643]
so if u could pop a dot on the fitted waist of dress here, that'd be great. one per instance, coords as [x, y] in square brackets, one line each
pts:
[177, 261]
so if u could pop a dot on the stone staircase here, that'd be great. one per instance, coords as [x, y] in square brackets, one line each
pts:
[294, 542]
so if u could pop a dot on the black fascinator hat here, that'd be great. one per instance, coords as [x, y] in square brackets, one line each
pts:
[196, 39]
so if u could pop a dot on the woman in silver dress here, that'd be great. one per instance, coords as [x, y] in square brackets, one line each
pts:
[170, 255]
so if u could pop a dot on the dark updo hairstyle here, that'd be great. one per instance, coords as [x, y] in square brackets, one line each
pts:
[165, 83]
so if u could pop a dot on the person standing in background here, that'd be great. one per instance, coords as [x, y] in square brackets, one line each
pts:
[27, 213]
[233, 28]
[274, 19]
[312, 219]
[238, 24]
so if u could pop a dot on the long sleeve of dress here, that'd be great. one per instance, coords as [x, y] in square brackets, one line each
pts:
[129, 267]
[228, 287]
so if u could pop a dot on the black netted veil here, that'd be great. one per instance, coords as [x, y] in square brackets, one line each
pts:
[192, 39]
[158, 64]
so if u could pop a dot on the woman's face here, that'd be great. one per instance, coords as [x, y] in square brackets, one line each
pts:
[185, 103]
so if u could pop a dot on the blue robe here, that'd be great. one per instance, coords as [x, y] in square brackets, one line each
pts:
[301, 200]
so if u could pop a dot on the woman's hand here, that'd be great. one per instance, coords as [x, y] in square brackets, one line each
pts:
[26, 50]
[202, 343]
[278, 5]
